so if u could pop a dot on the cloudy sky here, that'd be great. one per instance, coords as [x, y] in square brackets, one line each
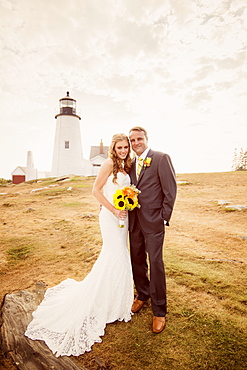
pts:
[176, 67]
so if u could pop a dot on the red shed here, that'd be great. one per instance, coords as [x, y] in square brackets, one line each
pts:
[19, 175]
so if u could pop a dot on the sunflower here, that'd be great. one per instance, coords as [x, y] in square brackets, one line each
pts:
[119, 200]
[131, 202]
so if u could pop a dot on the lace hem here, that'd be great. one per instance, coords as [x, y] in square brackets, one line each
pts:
[71, 343]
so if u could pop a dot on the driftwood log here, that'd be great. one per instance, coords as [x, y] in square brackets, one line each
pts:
[25, 353]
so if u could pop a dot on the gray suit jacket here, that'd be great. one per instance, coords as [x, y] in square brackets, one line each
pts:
[158, 187]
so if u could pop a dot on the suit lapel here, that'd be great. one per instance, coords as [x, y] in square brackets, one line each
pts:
[133, 172]
[141, 174]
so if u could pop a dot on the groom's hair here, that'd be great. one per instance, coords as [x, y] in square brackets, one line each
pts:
[139, 128]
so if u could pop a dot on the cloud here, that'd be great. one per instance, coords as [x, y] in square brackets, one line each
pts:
[173, 62]
[232, 63]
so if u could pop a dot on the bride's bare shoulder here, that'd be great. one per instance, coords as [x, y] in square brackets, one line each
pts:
[108, 164]
[106, 168]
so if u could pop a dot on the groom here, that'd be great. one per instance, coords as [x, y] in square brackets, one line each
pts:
[153, 174]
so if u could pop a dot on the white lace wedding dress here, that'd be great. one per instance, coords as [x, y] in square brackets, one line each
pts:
[73, 315]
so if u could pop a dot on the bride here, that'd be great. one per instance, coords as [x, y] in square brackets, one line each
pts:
[73, 315]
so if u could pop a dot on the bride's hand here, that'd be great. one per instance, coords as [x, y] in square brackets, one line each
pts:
[120, 214]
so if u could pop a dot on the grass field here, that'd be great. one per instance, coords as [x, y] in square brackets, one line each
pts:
[49, 231]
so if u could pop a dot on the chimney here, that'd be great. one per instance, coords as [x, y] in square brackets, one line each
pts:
[101, 148]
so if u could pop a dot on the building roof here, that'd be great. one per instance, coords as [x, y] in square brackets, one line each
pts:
[19, 171]
[99, 151]
[67, 97]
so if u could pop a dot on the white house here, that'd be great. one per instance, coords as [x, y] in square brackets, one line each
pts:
[98, 155]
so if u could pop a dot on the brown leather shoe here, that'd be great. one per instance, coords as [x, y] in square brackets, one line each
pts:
[159, 324]
[137, 305]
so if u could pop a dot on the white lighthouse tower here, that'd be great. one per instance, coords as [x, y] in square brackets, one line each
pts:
[67, 152]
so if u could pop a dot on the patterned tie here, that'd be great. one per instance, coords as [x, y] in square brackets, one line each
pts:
[139, 167]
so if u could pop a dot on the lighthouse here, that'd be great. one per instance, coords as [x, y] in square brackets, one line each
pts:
[67, 153]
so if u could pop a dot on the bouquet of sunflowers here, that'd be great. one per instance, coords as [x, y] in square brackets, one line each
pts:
[126, 199]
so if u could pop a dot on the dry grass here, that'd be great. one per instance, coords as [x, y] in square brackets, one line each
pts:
[51, 234]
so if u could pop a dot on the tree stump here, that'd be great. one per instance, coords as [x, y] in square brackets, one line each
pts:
[27, 354]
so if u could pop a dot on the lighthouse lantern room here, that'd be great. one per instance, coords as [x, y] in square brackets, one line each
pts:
[67, 105]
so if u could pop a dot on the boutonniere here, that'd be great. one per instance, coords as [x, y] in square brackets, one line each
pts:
[147, 162]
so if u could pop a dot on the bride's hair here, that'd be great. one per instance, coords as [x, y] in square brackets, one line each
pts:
[118, 165]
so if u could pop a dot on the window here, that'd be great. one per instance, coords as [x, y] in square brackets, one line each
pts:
[66, 145]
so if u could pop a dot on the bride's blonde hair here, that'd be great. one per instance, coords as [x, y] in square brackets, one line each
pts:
[118, 164]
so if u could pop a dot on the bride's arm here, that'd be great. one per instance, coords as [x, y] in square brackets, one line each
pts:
[104, 173]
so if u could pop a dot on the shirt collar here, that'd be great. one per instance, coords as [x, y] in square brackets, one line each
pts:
[144, 154]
